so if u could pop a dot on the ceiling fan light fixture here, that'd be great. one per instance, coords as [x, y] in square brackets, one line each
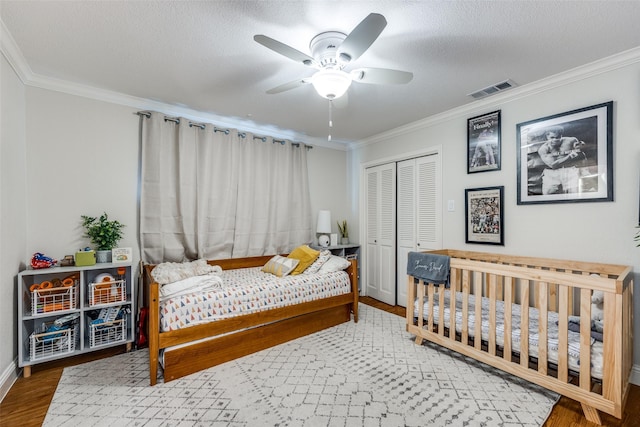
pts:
[331, 83]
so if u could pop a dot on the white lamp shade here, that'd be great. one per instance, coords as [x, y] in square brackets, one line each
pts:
[324, 222]
[330, 83]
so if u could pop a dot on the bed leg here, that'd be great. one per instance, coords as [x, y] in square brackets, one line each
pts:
[591, 414]
[419, 340]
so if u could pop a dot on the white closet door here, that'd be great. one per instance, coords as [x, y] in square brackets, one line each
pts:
[429, 203]
[419, 214]
[381, 239]
[406, 224]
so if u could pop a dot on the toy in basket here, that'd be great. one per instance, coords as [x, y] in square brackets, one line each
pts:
[106, 290]
[54, 295]
[108, 326]
[54, 338]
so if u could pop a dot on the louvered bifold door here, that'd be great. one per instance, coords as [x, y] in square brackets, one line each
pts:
[406, 218]
[428, 203]
[381, 225]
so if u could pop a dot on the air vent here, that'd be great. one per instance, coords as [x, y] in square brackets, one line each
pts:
[493, 89]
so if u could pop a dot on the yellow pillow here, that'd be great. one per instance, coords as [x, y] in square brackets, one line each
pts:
[305, 255]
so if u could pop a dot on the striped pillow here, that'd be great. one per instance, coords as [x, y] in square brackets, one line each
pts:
[280, 266]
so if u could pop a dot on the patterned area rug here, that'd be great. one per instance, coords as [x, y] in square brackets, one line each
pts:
[368, 373]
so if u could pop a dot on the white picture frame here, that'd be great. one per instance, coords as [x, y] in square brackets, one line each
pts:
[121, 255]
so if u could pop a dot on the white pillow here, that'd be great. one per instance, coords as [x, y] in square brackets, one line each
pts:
[334, 263]
[319, 262]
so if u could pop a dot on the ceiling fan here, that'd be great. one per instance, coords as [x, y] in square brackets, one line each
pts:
[331, 52]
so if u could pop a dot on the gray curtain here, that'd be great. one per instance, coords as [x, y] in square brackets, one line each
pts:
[214, 194]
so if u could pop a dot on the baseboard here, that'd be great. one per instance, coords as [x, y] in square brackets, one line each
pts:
[8, 378]
[634, 378]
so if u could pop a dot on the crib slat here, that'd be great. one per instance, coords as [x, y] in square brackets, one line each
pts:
[524, 323]
[411, 299]
[508, 298]
[420, 309]
[492, 314]
[431, 308]
[585, 339]
[612, 340]
[455, 278]
[553, 295]
[465, 307]
[542, 328]
[441, 324]
[563, 333]
[477, 282]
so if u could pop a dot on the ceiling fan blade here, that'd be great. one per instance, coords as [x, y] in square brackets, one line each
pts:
[381, 76]
[363, 36]
[285, 50]
[288, 86]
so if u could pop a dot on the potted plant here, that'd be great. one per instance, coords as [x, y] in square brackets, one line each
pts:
[344, 233]
[103, 233]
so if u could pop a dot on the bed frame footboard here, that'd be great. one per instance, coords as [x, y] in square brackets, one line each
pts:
[549, 288]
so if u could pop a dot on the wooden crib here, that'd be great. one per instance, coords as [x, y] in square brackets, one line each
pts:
[548, 287]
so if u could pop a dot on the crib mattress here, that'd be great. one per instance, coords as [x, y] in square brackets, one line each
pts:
[516, 338]
[249, 290]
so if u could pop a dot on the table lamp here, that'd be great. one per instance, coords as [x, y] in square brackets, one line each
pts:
[324, 228]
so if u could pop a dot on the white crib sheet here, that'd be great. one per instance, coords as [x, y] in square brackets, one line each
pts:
[552, 330]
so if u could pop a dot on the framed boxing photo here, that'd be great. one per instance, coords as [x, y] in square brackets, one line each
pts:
[567, 157]
[484, 213]
[483, 143]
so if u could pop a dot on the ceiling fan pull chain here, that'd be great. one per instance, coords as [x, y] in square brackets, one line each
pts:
[330, 113]
[330, 119]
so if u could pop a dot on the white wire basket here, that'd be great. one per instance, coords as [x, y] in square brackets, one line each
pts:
[51, 300]
[107, 292]
[45, 344]
[107, 332]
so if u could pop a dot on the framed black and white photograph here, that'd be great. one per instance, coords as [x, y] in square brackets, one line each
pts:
[567, 157]
[484, 214]
[483, 143]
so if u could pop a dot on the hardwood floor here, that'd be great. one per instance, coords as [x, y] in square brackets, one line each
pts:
[27, 402]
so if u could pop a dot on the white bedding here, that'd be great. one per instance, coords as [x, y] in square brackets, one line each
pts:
[190, 285]
[248, 290]
[552, 330]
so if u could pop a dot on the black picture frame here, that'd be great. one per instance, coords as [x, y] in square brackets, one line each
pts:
[484, 149]
[484, 215]
[567, 157]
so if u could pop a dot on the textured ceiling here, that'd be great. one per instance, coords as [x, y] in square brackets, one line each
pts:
[201, 56]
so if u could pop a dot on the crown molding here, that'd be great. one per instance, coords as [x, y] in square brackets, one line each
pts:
[595, 68]
[18, 62]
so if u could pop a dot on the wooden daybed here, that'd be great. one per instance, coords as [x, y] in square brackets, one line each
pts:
[206, 345]
[550, 288]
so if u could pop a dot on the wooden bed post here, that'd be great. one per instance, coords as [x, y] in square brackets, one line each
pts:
[352, 270]
[154, 329]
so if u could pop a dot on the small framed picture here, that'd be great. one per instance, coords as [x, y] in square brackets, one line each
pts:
[567, 157]
[483, 143]
[121, 255]
[484, 215]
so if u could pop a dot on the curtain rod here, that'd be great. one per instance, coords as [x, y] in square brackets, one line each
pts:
[243, 135]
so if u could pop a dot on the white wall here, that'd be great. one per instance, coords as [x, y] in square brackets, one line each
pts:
[601, 232]
[12, 214]
[327, 185]
[82, 159]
